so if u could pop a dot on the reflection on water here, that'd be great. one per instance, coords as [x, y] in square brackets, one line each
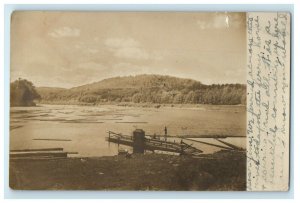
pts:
[86, 126]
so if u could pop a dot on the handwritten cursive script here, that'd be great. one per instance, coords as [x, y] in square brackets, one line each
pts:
[268, 83]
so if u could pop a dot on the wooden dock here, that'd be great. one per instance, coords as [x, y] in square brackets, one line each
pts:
[154, 144]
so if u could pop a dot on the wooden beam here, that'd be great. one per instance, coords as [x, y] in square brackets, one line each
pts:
[33, 150]
[228, 144]
[206, 136]
[39, 154]
[207, 143]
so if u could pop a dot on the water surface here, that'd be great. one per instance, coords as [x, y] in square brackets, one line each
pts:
[86, 126]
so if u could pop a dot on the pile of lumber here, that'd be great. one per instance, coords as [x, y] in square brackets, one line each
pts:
[45, 153]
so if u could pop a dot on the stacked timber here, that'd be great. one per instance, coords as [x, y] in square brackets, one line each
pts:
[45, 153]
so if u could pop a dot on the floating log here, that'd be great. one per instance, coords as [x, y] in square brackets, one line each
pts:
[130, 122]
[80, 121]
[111, 119]
[49, 139]
[57, 119]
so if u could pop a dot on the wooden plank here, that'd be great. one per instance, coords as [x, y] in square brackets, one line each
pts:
[36, 158]
[160, 141]
[120, 141]
[161, 148]
[33, 150]
[39, 154]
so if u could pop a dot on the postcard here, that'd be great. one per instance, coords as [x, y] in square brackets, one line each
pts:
[160, 101]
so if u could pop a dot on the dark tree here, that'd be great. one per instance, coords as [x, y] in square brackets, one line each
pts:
[23, 93]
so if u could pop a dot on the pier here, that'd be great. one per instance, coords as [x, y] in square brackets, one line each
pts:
[140, 143]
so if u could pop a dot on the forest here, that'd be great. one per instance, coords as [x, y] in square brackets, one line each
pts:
[156, 89]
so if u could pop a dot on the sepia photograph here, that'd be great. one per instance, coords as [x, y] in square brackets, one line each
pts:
[128, 101]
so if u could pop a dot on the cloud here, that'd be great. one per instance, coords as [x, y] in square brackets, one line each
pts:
[80, 74]
[132, 52]
[92, 51]
[121, 43]
[65, 32]
[85, 48]
[130, 49]
[130, 68]
[221, 21]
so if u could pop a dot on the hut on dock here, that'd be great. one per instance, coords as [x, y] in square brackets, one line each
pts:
[138, 141]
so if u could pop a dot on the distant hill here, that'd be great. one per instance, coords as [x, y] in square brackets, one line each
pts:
[147, 89]
[49, 90]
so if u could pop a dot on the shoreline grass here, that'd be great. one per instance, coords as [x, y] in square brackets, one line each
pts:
[221, 171]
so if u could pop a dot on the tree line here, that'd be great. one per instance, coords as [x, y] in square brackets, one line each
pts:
[230, 94]
[154, 89]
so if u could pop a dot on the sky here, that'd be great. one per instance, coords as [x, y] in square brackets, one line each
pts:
[68, 49]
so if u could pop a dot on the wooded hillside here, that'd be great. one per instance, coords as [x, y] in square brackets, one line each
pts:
[148, 89]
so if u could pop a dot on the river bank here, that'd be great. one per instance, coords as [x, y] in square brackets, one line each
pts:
[140, 105]
[224, 170]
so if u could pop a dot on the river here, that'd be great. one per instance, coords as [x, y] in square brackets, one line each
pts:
[83, 129]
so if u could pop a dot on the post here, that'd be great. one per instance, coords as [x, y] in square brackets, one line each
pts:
[166, 133]
[138, 141]
[181, 147]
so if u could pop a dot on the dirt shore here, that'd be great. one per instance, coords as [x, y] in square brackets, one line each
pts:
[219, 171]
